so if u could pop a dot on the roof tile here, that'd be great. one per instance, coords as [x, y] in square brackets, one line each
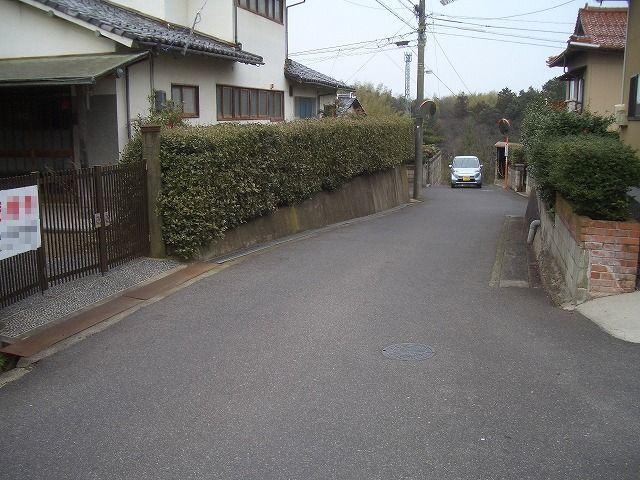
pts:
[601, 26]
[299, 73]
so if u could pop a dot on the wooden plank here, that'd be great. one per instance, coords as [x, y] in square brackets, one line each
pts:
[171, 281]
[61, 331]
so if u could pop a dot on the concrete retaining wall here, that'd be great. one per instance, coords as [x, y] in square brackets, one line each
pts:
[362, 196]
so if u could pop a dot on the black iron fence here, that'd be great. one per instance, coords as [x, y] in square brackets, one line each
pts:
[91, 220]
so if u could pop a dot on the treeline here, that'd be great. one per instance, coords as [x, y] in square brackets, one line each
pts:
[466, 124]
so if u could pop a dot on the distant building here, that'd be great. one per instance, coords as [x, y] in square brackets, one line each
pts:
[349, 104]
[593, 60]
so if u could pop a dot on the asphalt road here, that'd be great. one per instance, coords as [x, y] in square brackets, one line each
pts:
[273, 369]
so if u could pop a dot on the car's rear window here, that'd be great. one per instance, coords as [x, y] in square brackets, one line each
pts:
[466, 162]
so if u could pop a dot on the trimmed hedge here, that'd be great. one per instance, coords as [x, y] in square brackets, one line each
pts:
[594, 174]
[217, 177]
[577, 156]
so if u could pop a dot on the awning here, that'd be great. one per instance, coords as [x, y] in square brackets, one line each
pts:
[63, 70]
[575, 73]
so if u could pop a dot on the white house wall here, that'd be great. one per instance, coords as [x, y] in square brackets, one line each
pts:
[29, 32]
[266, 38]
[155, 8]
[216, 19]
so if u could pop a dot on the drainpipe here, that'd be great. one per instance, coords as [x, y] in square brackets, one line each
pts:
[532, 231]
[286, 26]
[151, 84]
[235, 22]
[127, 90]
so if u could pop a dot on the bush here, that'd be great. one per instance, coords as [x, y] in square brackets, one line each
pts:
[594, 173]
[541, 124]
[218, 177]
[516, 155]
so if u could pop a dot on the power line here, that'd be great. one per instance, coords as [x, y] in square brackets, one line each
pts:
[538, 11]
[411, 8]
[437, 77]
[354, 44]
[515, 42]
[508, 17]
[450, 63]
[366, 6]
[313, 61]
[442, 19]
[362, 66]
[390, 10]
[512, 35]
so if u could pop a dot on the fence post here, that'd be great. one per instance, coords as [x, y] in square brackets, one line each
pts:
[101, 217]
[151, 158]
[41, 259]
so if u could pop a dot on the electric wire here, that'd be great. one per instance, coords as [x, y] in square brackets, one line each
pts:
[450, 63]
[390, 10]
[498, 34]
[346, 46]
[519, 28]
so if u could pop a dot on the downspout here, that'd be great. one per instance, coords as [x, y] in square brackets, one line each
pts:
[286, 26]
[151, 84]
[127, 94]
[235, 22]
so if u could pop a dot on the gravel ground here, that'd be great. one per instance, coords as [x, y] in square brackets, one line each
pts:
[61, 300]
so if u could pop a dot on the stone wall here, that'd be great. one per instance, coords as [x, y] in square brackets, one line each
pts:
[516, 178]
[362, 196]
[596, 258]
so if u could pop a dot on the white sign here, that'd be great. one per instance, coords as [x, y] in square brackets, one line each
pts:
[506, 149]
[19, 221]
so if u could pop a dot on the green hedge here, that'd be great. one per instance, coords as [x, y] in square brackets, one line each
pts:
[218, 177]
[577, 156]
[594, 173]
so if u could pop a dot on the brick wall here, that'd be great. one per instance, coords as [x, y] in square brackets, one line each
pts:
[612, 249]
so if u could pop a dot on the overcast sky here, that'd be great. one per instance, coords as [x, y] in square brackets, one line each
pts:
[482, 65]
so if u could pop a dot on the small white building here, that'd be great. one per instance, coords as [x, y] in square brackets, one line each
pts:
[74, 74]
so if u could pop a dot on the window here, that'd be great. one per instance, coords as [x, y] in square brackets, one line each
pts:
[575, 94]
[305, 107]
[236, 103]
[187, 96]
[272, 9]
[634, 98]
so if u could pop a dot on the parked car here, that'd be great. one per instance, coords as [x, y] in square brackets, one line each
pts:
[466, 170]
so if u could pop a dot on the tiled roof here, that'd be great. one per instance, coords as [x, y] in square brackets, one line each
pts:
[344, 104]
[601, 26]
[147, 31]
[299, 73]
[604, 28]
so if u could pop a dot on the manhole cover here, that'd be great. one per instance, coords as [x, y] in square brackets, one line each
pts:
[408, 351]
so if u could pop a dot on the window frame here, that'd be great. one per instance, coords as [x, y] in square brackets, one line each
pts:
[253, 94]
[578, 86]
[270, 5]
[314, 106]
[633, 107]
[182, 86]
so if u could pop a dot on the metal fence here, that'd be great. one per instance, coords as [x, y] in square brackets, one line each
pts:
[91, 220]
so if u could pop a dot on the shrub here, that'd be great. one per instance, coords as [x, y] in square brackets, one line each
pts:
[218, 177]
[594, 173]
[516, 155]
[541, 124]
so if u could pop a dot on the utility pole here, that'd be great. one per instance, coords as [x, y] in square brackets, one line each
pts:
[407, 81]
[419, 120]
